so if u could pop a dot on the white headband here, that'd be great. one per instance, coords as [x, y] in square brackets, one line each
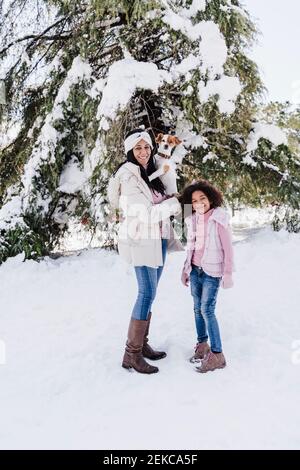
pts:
[133, 139]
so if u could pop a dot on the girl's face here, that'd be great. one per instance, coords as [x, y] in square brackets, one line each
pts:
[200, 202]
[142, 152]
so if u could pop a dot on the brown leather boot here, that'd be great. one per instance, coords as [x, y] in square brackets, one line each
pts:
[147, 351]
[133, 352]
[201, 350]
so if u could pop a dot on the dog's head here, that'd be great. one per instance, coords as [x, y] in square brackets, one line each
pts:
[166, 143]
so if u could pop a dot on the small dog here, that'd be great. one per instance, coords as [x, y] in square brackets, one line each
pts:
[165, 163]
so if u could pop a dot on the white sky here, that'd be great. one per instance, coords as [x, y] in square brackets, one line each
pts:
[278, 52]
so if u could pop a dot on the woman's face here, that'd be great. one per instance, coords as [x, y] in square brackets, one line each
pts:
[142, 152]
[200, 202]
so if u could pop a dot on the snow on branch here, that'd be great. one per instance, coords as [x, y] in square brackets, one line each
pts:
[265, 131]
[132, 74]
[44, 149]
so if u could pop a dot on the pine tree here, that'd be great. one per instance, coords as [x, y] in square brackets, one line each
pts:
[286, 117]
[86, 72]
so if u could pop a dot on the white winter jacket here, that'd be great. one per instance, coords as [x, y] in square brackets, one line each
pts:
[139, 235]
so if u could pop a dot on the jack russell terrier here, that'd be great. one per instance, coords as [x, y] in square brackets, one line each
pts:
[165, 163]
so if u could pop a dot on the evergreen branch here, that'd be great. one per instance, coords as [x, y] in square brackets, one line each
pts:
[191, 164]
[36, 64]
[106, 23]
[108, 51]
[10, 72]
[33, 36]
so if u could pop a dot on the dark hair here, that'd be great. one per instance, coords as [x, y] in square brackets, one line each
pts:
[156, 184]
[214, 196]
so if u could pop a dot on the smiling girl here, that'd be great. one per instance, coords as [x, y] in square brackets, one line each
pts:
[208, 264]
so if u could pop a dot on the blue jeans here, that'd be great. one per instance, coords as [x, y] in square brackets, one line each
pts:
[147, 279]
[204, 289]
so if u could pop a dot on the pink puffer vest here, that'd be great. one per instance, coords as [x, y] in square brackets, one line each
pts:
[212, 261]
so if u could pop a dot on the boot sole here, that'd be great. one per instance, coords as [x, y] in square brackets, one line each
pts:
[197, 369]
[125, 366]
[155, 358]
[128, 367]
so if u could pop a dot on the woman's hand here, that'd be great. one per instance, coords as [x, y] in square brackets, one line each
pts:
[227, 281]
[185, 279]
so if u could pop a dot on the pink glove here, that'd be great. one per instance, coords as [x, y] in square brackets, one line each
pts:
[185, 279]
[227, 281]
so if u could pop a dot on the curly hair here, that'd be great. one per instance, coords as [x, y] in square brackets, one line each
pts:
[214, 196]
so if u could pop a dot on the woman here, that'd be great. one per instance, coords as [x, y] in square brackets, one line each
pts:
[145, 234]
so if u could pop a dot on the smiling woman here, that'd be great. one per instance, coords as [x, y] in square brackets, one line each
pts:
[142, 152]
[145, 236]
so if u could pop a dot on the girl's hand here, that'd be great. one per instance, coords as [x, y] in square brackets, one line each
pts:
[185, 279]
[227, 281]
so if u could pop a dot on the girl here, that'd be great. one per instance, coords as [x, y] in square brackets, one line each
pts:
[144, 236]
[208, 264]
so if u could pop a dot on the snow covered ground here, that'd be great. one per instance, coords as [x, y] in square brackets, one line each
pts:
[62, 333]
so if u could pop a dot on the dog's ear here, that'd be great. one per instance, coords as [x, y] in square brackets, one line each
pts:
[177, 141]
[159, 138]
